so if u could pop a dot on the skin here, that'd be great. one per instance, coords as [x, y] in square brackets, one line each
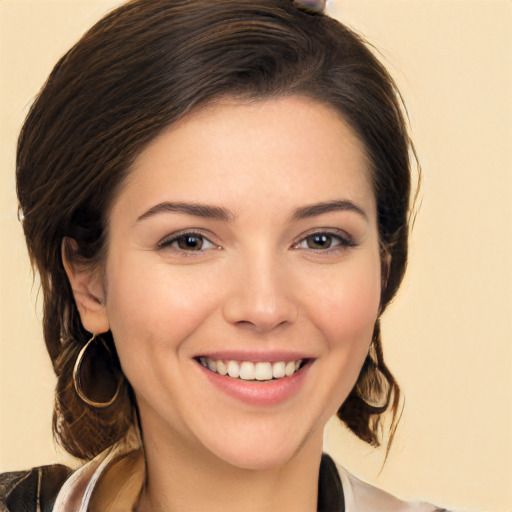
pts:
[259, 282]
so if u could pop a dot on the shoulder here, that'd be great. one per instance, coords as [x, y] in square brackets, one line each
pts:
[31, 490]
[361, 496]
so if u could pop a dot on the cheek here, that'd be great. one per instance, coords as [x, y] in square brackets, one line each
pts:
[344, 307]
[346, 312]
[348, 331]
[152, 311]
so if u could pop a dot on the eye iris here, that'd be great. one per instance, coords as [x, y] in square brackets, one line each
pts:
[319, 241]
[190, 242]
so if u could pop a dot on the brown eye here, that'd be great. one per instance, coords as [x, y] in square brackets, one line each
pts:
[325, 241]
[319, 241]
[190, 242]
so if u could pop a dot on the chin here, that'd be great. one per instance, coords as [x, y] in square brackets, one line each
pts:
[258, 452]
[260, 459]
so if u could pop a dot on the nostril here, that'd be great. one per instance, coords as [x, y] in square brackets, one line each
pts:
[260, 324]
[259, 315]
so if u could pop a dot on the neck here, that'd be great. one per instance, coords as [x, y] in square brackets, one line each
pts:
[182, 477]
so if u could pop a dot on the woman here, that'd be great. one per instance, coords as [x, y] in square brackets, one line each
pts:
[216, 197]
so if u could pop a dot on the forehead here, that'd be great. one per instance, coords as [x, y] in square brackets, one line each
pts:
[290, 149]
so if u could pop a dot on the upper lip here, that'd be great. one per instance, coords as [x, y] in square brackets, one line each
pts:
[254, 356]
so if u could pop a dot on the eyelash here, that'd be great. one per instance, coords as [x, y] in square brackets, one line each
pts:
[167, 242]
[343, 241]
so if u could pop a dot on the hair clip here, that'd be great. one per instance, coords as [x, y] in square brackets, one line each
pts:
[313, 6]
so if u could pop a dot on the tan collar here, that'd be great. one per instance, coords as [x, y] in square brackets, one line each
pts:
[111, 481]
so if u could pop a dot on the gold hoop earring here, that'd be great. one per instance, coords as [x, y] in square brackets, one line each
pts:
[77, 378]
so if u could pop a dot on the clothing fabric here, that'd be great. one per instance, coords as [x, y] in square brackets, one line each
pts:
[34, 490]
[113, 480]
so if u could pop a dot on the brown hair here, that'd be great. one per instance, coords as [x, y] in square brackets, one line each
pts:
[143, 67]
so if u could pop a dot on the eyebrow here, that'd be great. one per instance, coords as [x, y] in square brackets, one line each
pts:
[223, 214]
[327, 207]
[195, 209]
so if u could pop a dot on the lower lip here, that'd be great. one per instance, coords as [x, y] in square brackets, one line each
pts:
[259, 393]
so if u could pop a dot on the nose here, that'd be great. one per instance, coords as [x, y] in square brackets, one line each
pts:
[260, 295]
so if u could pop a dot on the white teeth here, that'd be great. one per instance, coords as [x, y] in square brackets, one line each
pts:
[247, 370]
[263, 371]
[233, 369]
[290, 368]
[278, 370]
[222, 369]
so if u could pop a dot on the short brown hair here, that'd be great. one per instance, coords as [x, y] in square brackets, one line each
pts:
[140, 69]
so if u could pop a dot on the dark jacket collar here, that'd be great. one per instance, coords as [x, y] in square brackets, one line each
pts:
[330, 491]
[31, 491]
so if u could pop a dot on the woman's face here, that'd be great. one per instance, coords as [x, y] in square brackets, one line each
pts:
[245, 239]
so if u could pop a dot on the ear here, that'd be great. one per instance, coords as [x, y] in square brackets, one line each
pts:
[87, 288]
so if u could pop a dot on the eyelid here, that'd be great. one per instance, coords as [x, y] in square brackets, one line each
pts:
[168, 240]
[346, 240]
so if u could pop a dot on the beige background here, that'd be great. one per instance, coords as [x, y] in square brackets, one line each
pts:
[448, 337]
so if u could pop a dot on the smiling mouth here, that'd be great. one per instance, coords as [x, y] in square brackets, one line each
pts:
[250, 371]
